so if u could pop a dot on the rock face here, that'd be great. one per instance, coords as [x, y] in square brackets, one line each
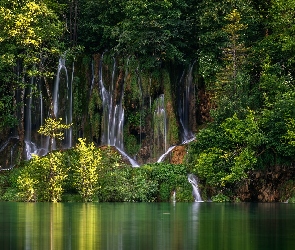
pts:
[271, 185]
[178, 154]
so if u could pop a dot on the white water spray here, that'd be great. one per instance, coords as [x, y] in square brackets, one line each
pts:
[193, 181]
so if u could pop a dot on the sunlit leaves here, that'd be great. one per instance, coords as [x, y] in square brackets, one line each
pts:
[54, 128]
[29, 24]
[43, 179]
[86, 170]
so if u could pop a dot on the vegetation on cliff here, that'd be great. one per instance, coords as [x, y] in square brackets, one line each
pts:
[243, 56]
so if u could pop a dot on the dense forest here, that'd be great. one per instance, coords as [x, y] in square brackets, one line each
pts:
[238, 55]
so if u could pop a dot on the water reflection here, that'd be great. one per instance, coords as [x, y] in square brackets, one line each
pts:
[146, 226]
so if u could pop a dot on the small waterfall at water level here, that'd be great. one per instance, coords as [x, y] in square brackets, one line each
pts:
[194, 182]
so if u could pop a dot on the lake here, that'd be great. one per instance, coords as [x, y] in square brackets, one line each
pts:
[147, 226]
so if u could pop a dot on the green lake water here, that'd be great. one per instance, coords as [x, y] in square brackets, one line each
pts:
[147, 226]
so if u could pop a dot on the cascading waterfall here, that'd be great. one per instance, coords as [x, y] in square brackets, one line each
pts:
[61, 66]
[28, 120]
[185, 96]
[113, 113]
[154, 142]
[44, 140]
[31, 147]
[66, 100]
[184, 105]
[163, 156]
[192, 179]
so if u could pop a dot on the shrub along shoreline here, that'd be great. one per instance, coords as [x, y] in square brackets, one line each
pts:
[87, 174]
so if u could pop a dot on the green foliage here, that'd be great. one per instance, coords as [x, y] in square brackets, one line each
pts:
[6, 107]
[243, 131]
[129, 185]
[26, 185]
[220, 198]
[86, 170]
[11, 194]
[225, 153]
[130, 144]
[290, 135]
[54, 129]
[151, 31]
[30, 32]
[119, 182]
[153, 182]
[170, 178]
[137, 118]
[94, 107]
[42, 179]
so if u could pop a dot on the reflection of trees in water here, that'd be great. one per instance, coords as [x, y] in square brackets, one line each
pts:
[146, 226]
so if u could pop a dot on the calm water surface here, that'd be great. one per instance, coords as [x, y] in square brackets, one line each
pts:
[147, 226]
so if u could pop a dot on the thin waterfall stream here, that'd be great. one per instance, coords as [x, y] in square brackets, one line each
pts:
[192, 179]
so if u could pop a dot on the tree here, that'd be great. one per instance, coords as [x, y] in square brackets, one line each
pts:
[44, 177]
[29, 44]
[54, 129]
[225, 153]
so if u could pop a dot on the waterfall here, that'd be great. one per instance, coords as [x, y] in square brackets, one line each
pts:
[174, 196]
[61, 66]
[113, 112]
[62, 98]
[160, 126]
[163, 156]
[193, 181]
[30, 146]
[184, 103]
[28, 121]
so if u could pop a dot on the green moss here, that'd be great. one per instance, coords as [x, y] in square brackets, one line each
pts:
[131, 145]
[173, 128]
[94, 108]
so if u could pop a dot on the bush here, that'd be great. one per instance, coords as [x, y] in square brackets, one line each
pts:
[170, 178]
[220, 198]
[43, 178]
[85, 170]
